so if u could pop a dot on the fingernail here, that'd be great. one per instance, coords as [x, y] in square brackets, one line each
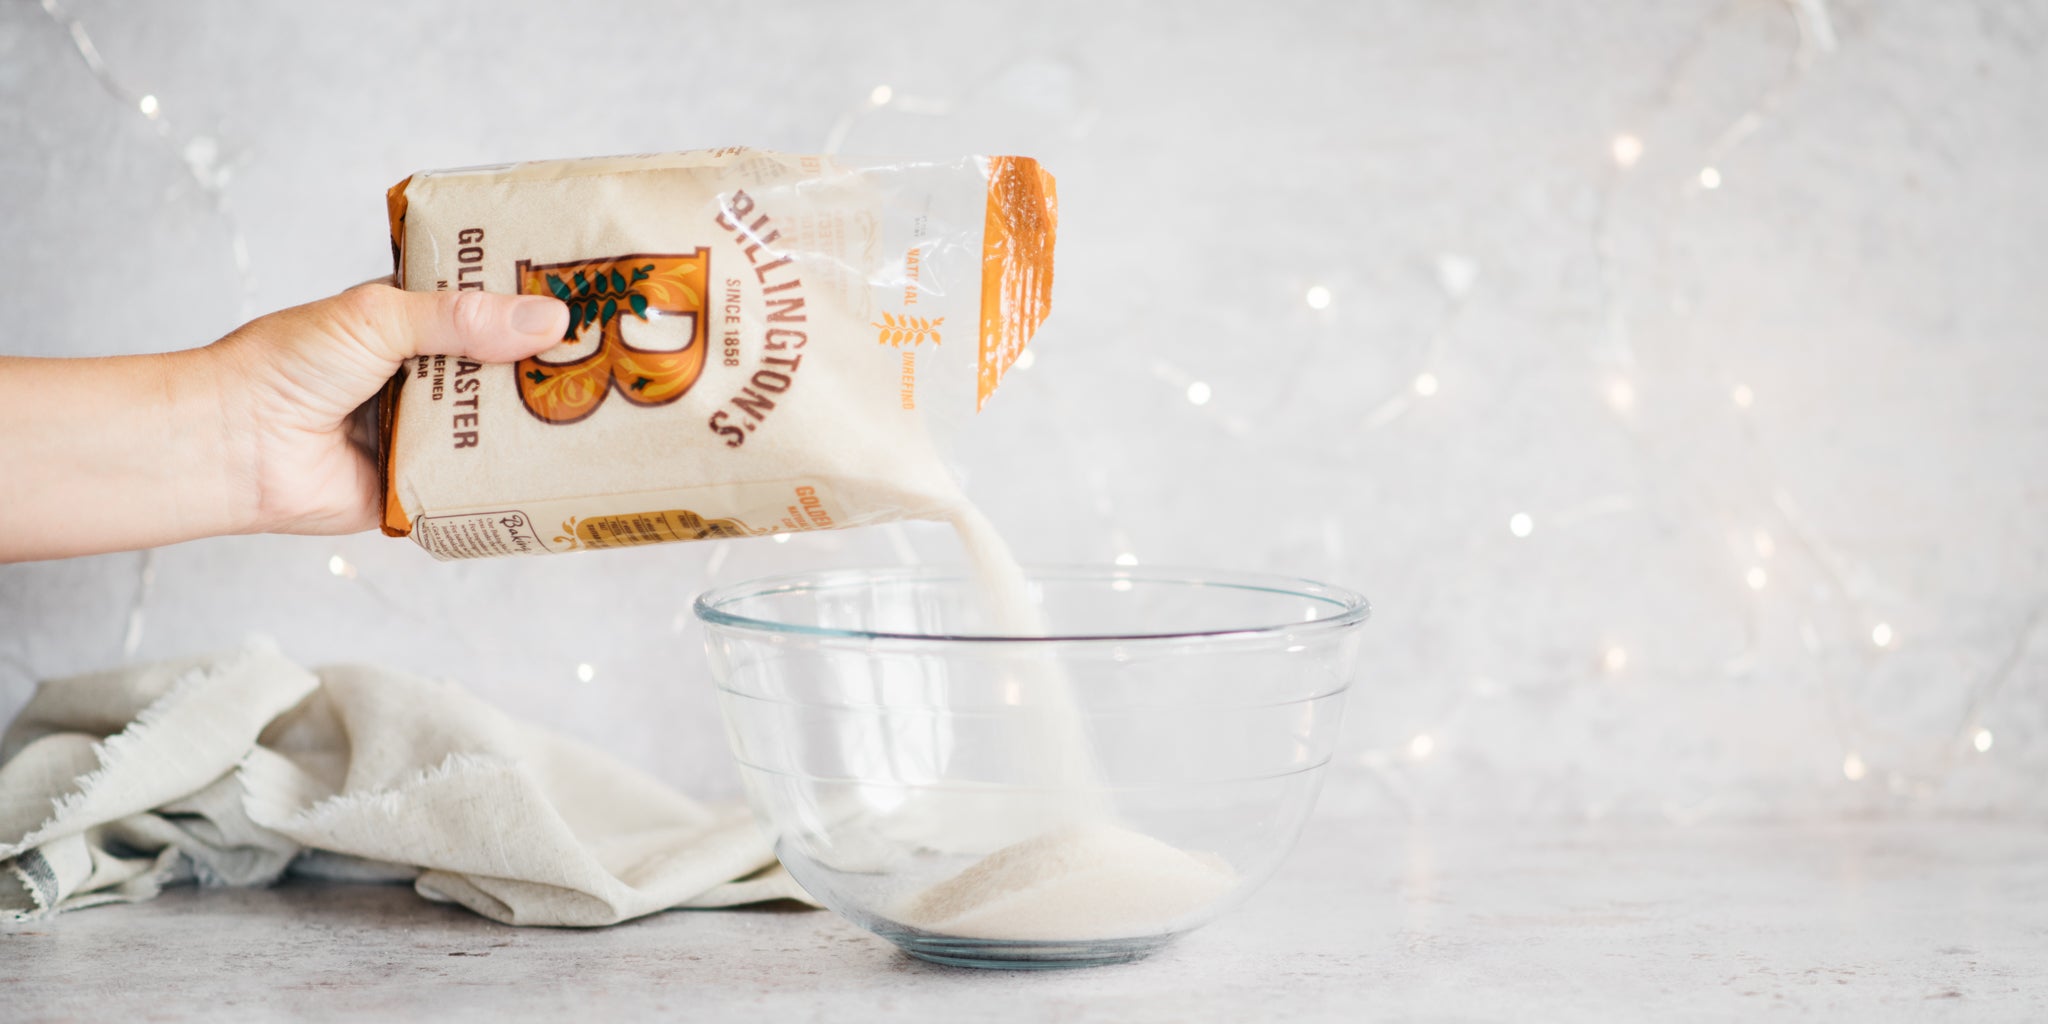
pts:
[538, 314]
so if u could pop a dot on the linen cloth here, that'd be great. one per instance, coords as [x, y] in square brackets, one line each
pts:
[232, 769]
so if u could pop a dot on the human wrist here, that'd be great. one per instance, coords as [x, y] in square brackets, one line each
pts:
[215, 441]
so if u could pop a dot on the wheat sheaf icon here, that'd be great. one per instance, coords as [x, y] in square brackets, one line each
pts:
[907, 330]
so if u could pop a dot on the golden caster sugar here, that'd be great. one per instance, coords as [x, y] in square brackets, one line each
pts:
[758, 343]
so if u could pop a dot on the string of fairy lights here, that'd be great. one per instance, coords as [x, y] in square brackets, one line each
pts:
[1456, 276]
[1625, 151]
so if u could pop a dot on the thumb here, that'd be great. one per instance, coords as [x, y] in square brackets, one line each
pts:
[486, 327]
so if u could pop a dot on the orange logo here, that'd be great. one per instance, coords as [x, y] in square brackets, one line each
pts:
[907, 330]
[655, 366]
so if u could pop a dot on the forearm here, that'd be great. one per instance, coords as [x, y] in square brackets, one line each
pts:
[249, 434]
[118, 453]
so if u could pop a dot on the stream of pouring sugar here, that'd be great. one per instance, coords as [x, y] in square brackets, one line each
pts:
[1061, 869]
[953, 800]
[1067, 784]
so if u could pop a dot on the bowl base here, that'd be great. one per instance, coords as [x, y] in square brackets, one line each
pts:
[1019, 955]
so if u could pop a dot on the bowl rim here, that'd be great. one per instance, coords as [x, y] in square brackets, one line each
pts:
[1348, 607]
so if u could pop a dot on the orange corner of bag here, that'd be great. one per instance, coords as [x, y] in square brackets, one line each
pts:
[394, 521]
[394, 207]
[1020, 228]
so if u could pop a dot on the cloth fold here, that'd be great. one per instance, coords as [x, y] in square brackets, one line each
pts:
[234, 769]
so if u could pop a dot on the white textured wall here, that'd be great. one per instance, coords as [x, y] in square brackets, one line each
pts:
[1869, 275]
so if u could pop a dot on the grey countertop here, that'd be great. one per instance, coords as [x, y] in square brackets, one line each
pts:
[1901, 920]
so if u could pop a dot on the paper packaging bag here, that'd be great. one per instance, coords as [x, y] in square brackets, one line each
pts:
[758, 343]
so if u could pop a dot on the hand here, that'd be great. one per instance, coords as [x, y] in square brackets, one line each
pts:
[302, 372]
[250, 434]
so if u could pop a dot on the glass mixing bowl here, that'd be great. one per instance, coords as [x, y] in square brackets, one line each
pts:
[987, 799]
